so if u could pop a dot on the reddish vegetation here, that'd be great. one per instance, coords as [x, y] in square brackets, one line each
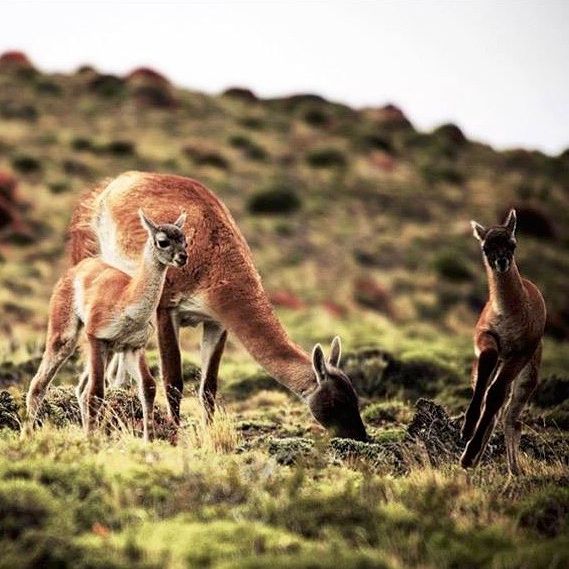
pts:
[10, 217]
[371, 294]
[389, 116]
[382, 161]
[335, 309]
[8, 185]
[147, 75]
[15, 59]
[150, 88]
[286, 299]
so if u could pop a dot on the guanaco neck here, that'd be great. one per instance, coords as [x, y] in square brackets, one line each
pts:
[507, 293]
[145, 288]
[253, 320]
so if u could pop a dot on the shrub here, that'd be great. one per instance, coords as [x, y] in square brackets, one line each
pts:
[451, 266]
[204, 156]
[241, 94]
[274, 201]
[107, 86]
[59, 187]
[375, 141]
[546, 512]
[81, 144]
[385, 412]
[17, 110]
[158, 96]
[26, 164]
[316, 116]
[120, 148]
[251, 149]
[24, 505]
[254, 123]
[451, 133]
[327, 158]
[48, 87]
[433, 173]
[76, 168]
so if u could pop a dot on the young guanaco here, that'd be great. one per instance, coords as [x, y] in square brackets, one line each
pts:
[508, 345]
[219, 287]
[116, 311]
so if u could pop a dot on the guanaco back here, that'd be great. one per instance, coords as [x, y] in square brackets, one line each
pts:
[219, 287]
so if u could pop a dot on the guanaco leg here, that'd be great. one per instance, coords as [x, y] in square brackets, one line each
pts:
[137, 366]
[94, 392]
[522, 390]
[482, 370]
[495, 397]
[213, 343]
[170, 362]
[62, 333]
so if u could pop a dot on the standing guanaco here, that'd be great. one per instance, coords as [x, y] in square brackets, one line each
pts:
[508, 345]
[116, 311]
[219, 287]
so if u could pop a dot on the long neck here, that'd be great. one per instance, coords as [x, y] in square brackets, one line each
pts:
[147, 283]
[506, 289]
[252, 319]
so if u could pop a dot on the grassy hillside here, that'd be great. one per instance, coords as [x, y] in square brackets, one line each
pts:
[359, 226]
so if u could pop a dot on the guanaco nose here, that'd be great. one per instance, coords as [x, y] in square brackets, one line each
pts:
[181, 259]
[502, 264]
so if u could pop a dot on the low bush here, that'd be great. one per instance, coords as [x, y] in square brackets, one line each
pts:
[204, 156]
[109, 86]
[451, 266]
[26, 164]
[120, 148]
[276, 200]
[327, 158]
[25, 505]
[547, 512]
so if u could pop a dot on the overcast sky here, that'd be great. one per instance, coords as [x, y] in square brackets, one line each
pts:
[499, 69]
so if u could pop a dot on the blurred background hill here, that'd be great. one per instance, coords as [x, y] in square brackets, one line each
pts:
[353, 214]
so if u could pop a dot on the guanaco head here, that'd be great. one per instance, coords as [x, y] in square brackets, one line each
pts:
[168, 239]
[498, 242]
[334, 403]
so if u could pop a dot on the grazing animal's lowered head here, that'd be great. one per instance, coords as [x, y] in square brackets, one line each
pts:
[498, 242]
[168, 240]
[334, 403]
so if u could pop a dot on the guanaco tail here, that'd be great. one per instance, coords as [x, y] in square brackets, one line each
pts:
[508, 344]
[116, 311]
[219, 288]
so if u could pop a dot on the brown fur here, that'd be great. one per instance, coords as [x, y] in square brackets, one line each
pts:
[508, 343]
[220, 276]
[115, 309]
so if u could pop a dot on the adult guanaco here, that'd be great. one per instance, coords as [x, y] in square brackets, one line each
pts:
[508, 345]
[116, 311]
[219, 287]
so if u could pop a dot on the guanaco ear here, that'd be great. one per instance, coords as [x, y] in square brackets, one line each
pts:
[147, 223]
[335, 352]
[511, 221]
[181, 220]
[319, 364]
[479, 231]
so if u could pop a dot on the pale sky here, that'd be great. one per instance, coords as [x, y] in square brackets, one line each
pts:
[499, 69]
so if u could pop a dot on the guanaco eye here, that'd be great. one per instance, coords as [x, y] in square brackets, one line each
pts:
[163, 243]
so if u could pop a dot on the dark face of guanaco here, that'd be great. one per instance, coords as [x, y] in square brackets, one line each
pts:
[498, 243]
[334, 403]
[168, 240]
